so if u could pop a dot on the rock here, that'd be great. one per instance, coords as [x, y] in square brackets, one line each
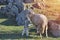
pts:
[3, 11]
[29, 1]
[54, 28]
[40, 5]
[9, 1]
[3, 1]
[19, 5]
[20, 19]
[12, 10]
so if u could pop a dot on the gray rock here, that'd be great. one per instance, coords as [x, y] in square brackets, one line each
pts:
[21, 18]
[9, 1]
[3, 11]
[2, 1]
[19, 5]
[9, 5]
[12, 10]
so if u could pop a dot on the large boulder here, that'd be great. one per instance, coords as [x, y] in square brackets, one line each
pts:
[37, 5]
[29, 1]
[40, 5]
[54, 28]
[12, 10]
[3, 1]
[3, 11]
[21, 18]
[9, 1]
[19, 5]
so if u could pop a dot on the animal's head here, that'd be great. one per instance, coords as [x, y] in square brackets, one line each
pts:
[29, 12]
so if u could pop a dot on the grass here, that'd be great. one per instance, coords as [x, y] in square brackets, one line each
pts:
[10, 31]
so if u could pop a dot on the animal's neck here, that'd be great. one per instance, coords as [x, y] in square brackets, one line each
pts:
[31, 17]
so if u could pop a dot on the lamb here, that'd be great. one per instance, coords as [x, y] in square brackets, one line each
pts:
[39, 20]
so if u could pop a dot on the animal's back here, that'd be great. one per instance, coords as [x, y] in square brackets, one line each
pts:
[39, 19]
[44, 18]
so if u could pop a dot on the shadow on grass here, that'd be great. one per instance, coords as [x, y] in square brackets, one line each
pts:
[15, 35]
[9, 22]
[32, 30]
[2, 16]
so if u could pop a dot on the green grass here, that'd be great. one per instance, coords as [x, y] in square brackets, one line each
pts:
[10, 31]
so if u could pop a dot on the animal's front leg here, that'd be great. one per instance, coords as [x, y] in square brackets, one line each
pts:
[26, 27]
[23, 31]
[41, 35]
[27, 33]
[37, 30]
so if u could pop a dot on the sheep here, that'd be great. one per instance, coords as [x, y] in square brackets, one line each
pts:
[39, 20]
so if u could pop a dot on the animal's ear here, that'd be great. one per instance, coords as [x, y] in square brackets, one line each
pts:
[32, 8]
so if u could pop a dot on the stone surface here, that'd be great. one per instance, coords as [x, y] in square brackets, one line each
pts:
[19, 5]
[21, 18]
[12, 10]
[39, 5]
[54, 28]
[9, 1]
[2, 1]
[29, 1]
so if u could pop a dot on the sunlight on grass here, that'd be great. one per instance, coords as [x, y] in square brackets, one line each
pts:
[9, 29]
[2, 6]
[2, 20]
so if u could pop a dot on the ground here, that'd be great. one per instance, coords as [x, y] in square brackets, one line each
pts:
[10, 31]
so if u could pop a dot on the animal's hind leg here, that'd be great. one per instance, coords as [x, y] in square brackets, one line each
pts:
[46, 31]
[23, 31]
[42, 28]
